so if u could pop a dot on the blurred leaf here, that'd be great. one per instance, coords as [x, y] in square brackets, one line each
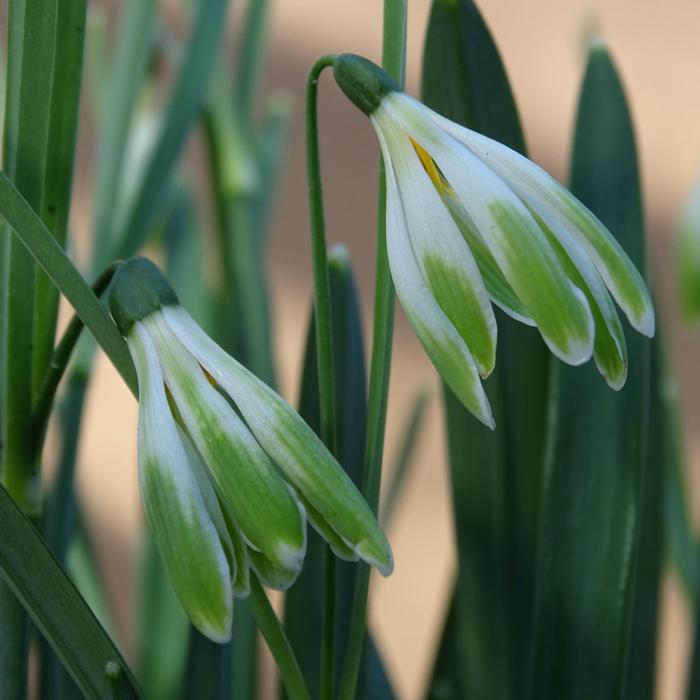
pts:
[271, 147]
[58, 610]
[594, 473]
[184, 257]
[119, 89]
[302, 609]
[681, 545]
[495, 475]
[642, 655]
[245, 306]
[162, 628]
[185, 101]
[689, 256]
[404, 456]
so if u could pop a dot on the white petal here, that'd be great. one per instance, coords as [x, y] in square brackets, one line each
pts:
[516, 241]
[294, 447]
[264, 508]
[565, 215]
[186, 536]
[445, 261]
[445, 347]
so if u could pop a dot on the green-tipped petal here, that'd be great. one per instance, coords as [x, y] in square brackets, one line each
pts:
[496, 284]
[443, 345]
[516, 241]
[270, 575]
[267, 513]
[565, 215]
[444, 259]
[294, 447]
[235, 550]
[180, 521]
[610, 346]
[340, 548]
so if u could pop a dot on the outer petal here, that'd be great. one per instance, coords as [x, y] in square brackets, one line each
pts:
[516, 241]
[610, 348]
[187, 539]
[270, 518]
[445, 347]
[294, 447]
[566, 216]
[231, 538]
[446, 263]
[340, 548]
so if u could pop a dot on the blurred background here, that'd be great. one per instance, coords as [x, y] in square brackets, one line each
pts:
[543, 46]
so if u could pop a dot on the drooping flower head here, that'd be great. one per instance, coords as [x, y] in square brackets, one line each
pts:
[471, 223]
[228, 471]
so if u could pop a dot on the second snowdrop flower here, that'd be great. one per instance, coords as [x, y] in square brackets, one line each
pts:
[228, 471]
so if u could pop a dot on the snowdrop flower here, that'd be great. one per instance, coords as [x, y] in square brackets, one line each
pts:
[228, 471]
[471, 223]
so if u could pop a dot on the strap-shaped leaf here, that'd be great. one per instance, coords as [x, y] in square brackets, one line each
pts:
[58, 610]
[594, 473]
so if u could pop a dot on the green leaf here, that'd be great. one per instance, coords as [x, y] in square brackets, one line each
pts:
[591, 517]
[495, 475]
[120, 88]
[32, 31]
[58, 610]
[302, 610]
[185, 101]
[58, 178]
[38, 239]
[162, 628]
[641, 662]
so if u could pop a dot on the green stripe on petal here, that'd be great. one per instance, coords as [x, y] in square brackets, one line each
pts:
[610, 346]
[565, 215]
[295, 448]
[496, 284]
[445, 260]
[268, 515]
[177, 514]
[443, 345]
[514, 238]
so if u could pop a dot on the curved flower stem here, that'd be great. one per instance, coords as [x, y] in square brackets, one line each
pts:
[324, 349]
[277, 642]
[59, 361]
[393, 60]
[322, 307]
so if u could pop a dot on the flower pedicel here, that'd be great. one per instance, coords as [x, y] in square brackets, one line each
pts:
[470, 222]
[225, 490]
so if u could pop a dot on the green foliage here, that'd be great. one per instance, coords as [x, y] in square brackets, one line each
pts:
[596, 444]
[495, 475]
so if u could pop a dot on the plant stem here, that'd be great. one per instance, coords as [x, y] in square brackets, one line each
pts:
[393, 60]
[59, 362]
[277, 641]
[324, 350]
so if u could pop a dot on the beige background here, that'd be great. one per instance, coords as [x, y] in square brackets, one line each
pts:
[542, 42]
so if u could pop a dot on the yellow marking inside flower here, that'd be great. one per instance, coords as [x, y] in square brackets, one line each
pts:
[434, 172]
